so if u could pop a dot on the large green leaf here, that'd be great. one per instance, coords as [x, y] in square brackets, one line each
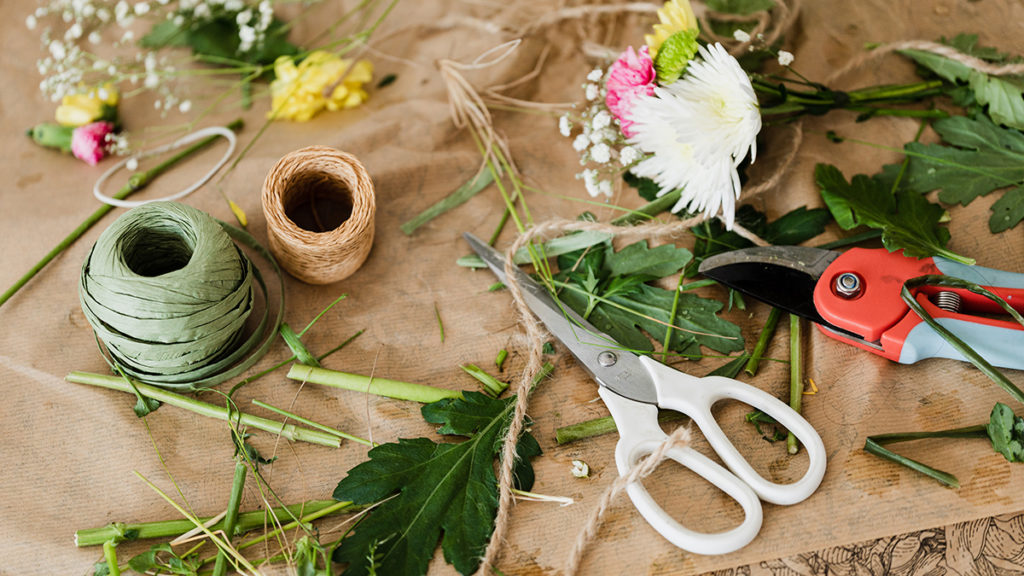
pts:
[437, 491]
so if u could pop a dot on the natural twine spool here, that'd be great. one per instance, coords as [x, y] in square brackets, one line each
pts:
[317, 185]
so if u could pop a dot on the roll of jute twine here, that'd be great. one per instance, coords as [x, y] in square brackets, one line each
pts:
[311, 177]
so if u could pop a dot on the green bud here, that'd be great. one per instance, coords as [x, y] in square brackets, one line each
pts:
[52, 136]
[675, 54]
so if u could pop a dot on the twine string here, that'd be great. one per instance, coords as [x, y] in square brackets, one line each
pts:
[978, 64]
[303, 175]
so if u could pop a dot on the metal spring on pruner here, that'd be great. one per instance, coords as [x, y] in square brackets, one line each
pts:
[948, 301]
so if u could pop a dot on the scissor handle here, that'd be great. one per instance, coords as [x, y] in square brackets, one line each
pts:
[640, 435]
[695, 397]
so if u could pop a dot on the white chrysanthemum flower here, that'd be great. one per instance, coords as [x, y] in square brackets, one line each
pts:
[698, 130]
[785, 58]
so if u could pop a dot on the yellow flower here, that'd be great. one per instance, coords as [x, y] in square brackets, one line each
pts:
[298, 91]
[675, 16]
[84, 108]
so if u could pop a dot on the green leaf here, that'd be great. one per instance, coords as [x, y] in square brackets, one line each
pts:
[907, 220]
[100, 569]
[647, 189]
[638, 259]
[740, 6]
[461, 195]
[1007, 211]
[164, 33]
[437, 488]
[1006, 431]
[161, 559]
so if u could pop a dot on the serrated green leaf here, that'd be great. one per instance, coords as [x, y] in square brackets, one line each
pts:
[638, 259]
[946, 68]
[446, 491]
[161, 559]
[968, 44]
[740, 6]
[1004, 99]
[1007, 211]
[1005, 431]
[647, 189]
[907, 220]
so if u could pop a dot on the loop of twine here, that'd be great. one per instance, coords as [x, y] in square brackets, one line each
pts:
[319, 257]
[679, 438]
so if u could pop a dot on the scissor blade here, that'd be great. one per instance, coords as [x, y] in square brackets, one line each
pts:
[625, 376]
[783, 276]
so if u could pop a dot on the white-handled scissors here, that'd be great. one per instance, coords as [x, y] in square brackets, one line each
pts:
[634, 387]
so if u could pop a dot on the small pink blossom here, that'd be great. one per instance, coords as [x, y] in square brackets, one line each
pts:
[89, 142]
[630, 77]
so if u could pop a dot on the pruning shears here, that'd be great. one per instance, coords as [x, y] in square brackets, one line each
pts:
[634, 387]
[855, 297]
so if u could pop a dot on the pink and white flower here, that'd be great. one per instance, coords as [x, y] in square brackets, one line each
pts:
[629, 78]
[89, 142]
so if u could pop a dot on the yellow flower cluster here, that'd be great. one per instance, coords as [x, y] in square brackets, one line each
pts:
[80, 109]
[675, 16]
[298, 91]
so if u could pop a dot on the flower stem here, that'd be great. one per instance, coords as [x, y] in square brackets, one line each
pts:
[796, 388]
[601, 426]
[648, 211]
[231, 518]
[137, 182]
[247, 521]
[762, 342]
[110, 554]
[289, 431]
[379, 386]
[313, 424]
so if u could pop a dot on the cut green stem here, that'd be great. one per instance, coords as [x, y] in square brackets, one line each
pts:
[499, 361]
[247, 521]
[796, 388]
[137, 182]
[110, 555]
[291, 359]
[378, 386]
[491, 385]
[762, 341]
[313, 424]
[289, 431]
[231, 517]
[649, 210]
[602, 426]
[875, 445]
[672, 318]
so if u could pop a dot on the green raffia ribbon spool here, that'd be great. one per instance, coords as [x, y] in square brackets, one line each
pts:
[168, 294]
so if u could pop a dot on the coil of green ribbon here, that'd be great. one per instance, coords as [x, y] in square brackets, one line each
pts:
[168, 294]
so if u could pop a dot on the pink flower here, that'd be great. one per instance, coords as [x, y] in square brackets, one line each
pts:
[630, 77]
[89, 142]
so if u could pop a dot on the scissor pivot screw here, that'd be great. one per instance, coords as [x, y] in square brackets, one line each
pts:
[848, 285]
[607, 359]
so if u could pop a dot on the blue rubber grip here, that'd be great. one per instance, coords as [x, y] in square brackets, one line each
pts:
[1003, 347]
[987, 277]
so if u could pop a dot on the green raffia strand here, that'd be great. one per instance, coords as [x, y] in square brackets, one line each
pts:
[231, 517]
[168, 269]
[796, 388]
[440, 325]
[949, 282]
[499, 361]
[378, 386]
[875, 445]
[552, 248]
[136, 182]
[288, 431]
[492, 386]
[762, 342]
[650, 210]
[313, 424]
[471, 188]
[120, 532]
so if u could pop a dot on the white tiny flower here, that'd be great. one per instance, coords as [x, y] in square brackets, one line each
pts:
[628, 155]
[141, 8]
[67, 17]
[202, 11]
[580, 469]
[605, 187]
[590, 181]
[40, 12]
[178, 20]
[88, 10]
[247, 34]
[74, 32]
[591, 91]
[595, 75]
[152, 81]
[95, 37]
[266, 7]
[57, 50]
[785, 58]
[741, 36]
[564, 126]
[128, 36]
[132, 164]
[580, 143]
[112, 70]
[158, 104]
[234, 5]
[601, 120]
[121, 10]
[31, 22]
[102, 94]
[103, 14]
[243, 17]
[601, 153]
[185, 106]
